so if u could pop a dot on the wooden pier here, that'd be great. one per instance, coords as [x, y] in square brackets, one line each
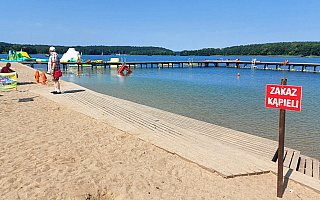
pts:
[181, 64]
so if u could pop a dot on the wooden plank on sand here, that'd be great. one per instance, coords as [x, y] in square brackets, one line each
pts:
[302, 164]
[295, 159]
[287, 159]
[309, 166]
[316, 169]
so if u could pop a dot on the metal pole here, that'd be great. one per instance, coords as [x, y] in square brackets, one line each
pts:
[281, 146]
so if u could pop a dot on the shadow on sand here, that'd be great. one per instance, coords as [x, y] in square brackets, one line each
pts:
[25, 83]
[73, 91]
[286, 180]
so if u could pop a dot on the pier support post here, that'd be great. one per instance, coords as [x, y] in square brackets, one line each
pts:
[281, 147]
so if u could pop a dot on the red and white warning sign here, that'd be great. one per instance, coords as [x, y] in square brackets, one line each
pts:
[284, 97]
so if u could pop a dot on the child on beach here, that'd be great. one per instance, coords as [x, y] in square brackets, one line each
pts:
[6, 69]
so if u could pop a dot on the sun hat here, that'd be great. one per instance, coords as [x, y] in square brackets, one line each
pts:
[52, 49]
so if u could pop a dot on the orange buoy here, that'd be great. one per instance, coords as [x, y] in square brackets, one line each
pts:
[238, 74]
[37, 76]
[44, 78]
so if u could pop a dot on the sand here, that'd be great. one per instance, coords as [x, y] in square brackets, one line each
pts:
[48, 151]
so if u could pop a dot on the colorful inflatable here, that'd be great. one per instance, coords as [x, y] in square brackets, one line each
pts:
[14, 55]
[124, 68]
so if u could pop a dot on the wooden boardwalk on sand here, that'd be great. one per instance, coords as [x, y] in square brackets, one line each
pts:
[225, 151]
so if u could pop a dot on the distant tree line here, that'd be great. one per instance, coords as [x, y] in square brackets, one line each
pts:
[88, 50]
[269, 49]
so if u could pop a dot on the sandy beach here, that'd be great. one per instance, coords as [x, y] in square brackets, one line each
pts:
[48, 151]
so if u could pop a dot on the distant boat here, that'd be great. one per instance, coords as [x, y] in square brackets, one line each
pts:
[102, 53]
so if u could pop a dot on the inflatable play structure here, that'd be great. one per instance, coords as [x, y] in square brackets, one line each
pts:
[79, 65]
[124, 70]
[114, 60]
[16, 56]
[71, 56]
[42, 60]
[100, 63]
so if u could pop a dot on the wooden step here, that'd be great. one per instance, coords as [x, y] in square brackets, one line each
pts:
[309, 166]
[295, 160]
[316, 169]
[290, 158]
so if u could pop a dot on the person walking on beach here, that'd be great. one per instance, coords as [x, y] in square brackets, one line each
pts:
[54, 65]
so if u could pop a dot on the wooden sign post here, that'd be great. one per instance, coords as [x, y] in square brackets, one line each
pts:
[284, 98]
[282, 116]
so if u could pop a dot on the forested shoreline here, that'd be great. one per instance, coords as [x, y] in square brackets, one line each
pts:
[87, 50]
[268, 49]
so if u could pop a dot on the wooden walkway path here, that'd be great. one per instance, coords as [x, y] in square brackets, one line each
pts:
[225, 151]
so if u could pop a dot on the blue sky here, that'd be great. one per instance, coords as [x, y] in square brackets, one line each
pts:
[172, 24]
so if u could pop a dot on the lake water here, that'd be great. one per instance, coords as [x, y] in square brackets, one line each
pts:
[215, 95]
